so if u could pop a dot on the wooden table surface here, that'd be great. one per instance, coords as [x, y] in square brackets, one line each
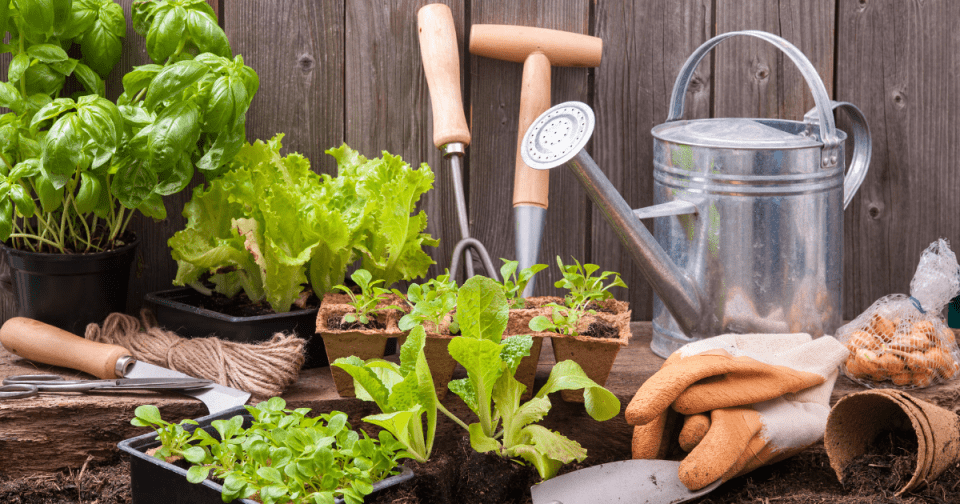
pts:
[56, 431]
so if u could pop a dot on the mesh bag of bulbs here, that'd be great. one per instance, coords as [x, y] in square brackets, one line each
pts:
[901, 341]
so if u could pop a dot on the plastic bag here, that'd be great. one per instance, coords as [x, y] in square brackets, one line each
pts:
[901, 341]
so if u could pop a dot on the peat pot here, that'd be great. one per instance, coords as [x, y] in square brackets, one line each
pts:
[70, 291]
[748, 213]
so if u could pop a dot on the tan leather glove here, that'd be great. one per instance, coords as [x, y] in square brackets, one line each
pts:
[749, 400]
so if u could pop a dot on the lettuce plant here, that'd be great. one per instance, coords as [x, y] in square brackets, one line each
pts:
[74, 170]
[505, 426]
[283, 456]
[404, 393]
[268, 224]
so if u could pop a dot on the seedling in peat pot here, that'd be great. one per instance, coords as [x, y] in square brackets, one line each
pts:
[364, 304]
[514, 282]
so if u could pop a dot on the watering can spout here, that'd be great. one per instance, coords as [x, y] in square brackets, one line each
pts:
[558, 138]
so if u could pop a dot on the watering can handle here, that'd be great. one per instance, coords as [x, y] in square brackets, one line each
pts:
[828, 128]
[862, 147]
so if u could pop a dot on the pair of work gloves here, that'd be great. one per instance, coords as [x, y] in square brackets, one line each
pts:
[729, 404]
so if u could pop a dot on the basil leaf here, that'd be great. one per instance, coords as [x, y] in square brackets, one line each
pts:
[51, 110]
[90, 80]
[25, 168]
[18, 65]
[176, 179]
[65, 67]
[206, 34]
[133, 183]
[222, 107]
[101, 48]
[22, 199]
[6, 219]
[139, 78]
[36, 19]
[172, 80]
[61, 150]
[135, 116]
[143, 13]
[40, 78]
[62, 10]
[224, 147]
[47, 53]
[152, 206]
[50, 196]
[81, 19]
[90, 194]
[176, 130]
[9, 96]
[166, 33]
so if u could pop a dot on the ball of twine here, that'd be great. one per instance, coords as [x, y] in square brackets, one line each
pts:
[264, 369]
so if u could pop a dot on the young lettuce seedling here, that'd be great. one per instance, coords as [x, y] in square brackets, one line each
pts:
[404, 393]
[506, 427]
[514, 282]
[364, 304]
[430, 303]
[584, 288]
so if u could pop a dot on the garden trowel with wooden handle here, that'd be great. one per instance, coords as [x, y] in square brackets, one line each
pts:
[622, 482]
[40, 342]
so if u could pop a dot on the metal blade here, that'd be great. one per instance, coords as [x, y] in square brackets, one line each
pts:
[159, 383]
[623, 482]
[528, 231]
[217, 397]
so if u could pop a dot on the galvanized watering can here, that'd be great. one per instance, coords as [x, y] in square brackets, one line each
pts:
[748, 213]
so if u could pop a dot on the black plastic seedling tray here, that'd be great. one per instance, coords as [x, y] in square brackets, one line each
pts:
[153, 481]
[177, 310]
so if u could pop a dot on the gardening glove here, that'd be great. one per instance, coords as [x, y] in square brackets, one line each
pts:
[748, 400]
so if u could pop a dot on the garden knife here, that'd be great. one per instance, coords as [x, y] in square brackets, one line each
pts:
[622, 482]
[40, 342]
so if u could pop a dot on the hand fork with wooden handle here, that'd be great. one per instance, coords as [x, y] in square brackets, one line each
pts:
[441, 65]
[39, 342]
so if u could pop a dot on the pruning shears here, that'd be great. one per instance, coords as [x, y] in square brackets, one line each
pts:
[17, 387]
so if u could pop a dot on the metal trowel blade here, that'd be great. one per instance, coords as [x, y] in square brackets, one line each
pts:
[623, 482]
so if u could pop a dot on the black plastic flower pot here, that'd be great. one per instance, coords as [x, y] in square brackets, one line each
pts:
[154, 481]
[71, 290]
[179, 310]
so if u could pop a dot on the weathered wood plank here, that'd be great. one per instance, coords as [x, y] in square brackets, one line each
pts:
[301, 70]
[54, 431]
[898, 63]
[387, 102]
[495, 99]
[632, 95]
[752, 77]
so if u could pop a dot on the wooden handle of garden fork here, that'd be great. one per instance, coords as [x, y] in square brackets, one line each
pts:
[34, 340]
[531, 187]
[441, 65]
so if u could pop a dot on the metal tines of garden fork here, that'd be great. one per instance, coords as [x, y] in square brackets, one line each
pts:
[454, 152]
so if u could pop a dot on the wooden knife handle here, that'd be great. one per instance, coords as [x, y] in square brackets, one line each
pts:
[34, 340]
[531, 187]
[441, 65]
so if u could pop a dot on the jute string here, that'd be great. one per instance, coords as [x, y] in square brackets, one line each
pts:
[264, 369]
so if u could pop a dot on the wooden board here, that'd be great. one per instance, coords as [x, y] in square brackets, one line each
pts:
[495, 108]
[55, 431]
[632, 95]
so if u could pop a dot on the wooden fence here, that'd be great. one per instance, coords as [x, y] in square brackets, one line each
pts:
[334, 71]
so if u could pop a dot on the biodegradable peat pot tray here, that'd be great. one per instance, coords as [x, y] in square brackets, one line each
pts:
[519, 323]
[154, 481]
[595, 355]
[179, 310]
[361, 342]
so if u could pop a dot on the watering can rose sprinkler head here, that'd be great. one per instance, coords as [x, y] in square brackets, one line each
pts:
[558, 137]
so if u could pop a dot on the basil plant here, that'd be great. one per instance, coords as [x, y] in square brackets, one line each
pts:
[75, 169]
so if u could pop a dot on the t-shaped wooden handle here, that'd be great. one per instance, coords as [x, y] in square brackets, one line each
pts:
[441, 65]
[538, 49]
